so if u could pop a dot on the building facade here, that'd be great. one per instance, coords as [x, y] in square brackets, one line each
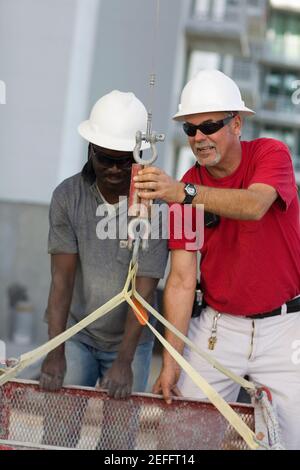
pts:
[257, 43]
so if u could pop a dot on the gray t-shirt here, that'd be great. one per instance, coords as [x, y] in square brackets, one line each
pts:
[102, 263]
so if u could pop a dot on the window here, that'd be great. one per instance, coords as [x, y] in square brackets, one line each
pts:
[286, 135]
[273, 83]
[242, 69]
[216, 10]
[290, 137]
[289, 84]
[254, 3]
[283, 35]
[200, 60]
[278, 90]
[201, 8]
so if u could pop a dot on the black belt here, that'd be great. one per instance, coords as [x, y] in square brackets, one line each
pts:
[291, 306]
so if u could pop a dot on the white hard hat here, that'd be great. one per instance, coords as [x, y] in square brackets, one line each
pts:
[114, 122]
[210, 91]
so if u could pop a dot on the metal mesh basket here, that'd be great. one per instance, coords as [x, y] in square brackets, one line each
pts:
[85, 418]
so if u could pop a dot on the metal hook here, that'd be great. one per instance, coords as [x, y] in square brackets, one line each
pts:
[152, 138]
[135, 238]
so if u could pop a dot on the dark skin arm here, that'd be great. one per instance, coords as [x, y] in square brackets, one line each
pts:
[119, 378]
[63, 269]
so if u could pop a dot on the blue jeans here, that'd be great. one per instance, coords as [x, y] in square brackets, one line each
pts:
[85, 364]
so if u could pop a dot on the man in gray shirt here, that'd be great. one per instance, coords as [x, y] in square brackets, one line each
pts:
[89, 266]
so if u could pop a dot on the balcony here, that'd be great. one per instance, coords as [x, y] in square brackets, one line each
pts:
[228, 21]
[214, 21]
[279, 103]
[282, 50]
[279, 110]
[227, 26]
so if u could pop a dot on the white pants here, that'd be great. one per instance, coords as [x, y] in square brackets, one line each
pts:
[268, 350]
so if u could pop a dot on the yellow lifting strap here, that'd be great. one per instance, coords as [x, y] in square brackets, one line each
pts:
[138, 304]
[224, 408]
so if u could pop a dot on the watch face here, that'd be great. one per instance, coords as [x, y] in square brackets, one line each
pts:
[190, 190]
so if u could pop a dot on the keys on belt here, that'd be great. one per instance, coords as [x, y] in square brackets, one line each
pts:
[213, 338]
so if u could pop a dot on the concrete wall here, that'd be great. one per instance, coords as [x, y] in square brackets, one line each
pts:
[24, 260]
[35, 47]
[46, 50]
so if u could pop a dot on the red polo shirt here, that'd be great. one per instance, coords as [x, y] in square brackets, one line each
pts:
[250, 267]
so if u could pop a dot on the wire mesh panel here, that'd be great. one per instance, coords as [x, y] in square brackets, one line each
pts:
[88, 419]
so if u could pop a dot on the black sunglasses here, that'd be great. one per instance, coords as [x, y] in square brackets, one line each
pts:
[206, 128]
[107, 161]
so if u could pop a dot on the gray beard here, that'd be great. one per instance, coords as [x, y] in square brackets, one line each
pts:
[213, 163]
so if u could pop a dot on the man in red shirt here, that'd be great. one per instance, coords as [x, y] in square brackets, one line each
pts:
[250, 258]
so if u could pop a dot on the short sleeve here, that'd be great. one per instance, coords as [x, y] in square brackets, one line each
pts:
[274, 167]
[62, 238]
[186, 227]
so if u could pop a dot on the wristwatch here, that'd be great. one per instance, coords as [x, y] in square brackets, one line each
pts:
[190, 192]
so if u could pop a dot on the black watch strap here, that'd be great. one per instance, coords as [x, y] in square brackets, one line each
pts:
[190, 192]
[188, 199]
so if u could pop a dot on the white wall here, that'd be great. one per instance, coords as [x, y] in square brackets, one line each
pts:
[34, 53]
[45, 57]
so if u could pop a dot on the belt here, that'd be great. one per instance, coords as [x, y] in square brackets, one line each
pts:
[291, 307]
